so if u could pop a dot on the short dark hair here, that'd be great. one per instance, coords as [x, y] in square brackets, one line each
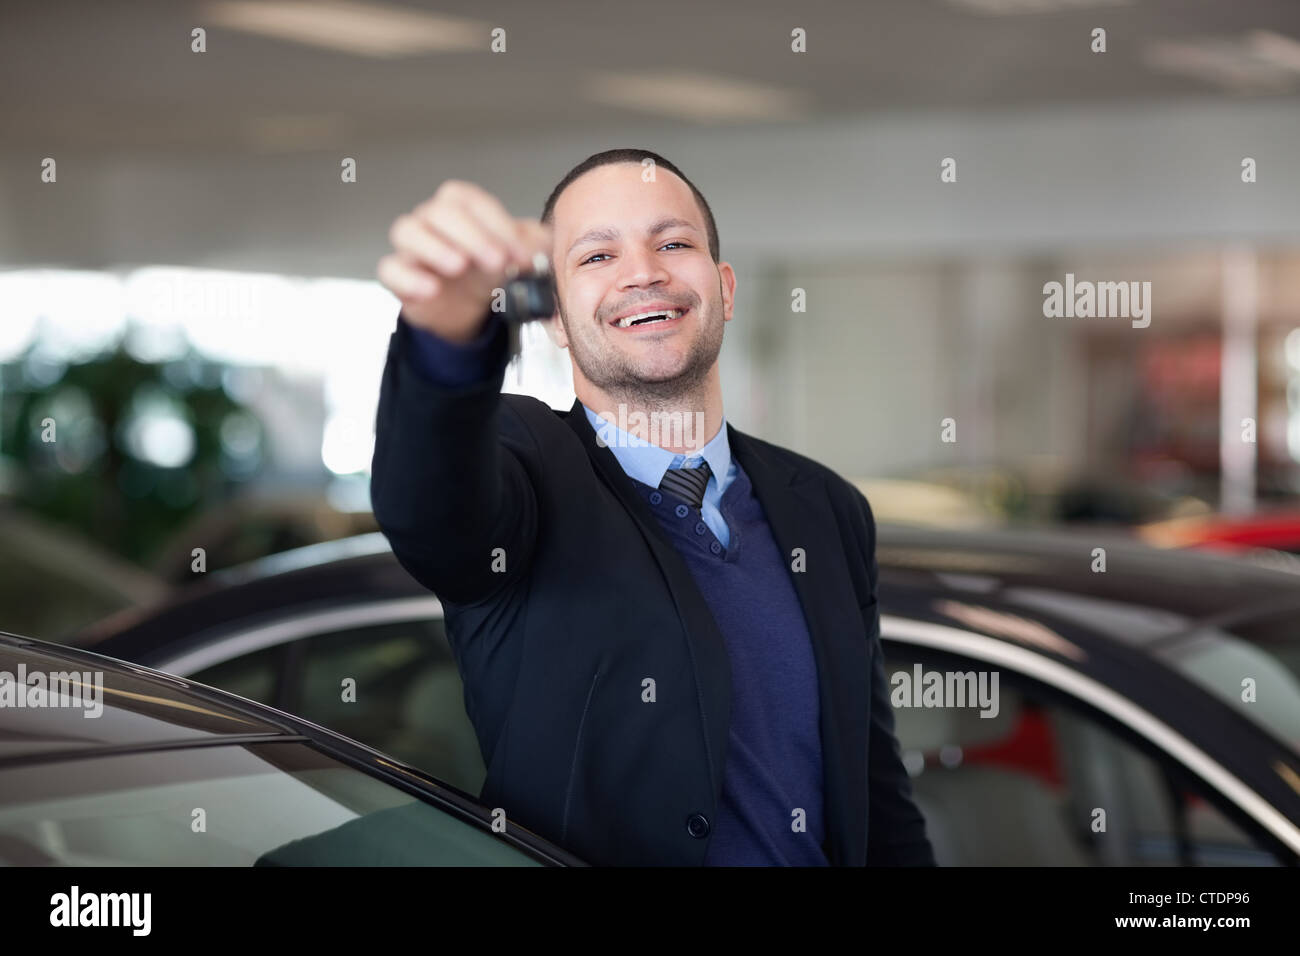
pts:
[611, 156]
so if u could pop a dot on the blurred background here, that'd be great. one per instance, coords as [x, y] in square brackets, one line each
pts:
[191, 335]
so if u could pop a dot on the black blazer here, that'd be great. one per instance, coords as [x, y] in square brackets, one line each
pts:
[563, 594]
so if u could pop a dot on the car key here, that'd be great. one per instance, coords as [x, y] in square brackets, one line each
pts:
[531, 296]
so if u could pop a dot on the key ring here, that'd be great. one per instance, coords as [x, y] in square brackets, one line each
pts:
[541, 265]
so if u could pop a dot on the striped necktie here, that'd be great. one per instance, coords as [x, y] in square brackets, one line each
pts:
[687, 484]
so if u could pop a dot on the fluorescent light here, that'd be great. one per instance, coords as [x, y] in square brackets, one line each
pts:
[364, 29]
[1276, 49]
[698, 97]
[286, 133]
[1005, 7]
[1250, 64]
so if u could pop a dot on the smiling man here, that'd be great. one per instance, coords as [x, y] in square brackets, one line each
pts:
[669, 638]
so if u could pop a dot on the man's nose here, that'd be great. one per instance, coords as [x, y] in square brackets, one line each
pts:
[641, 269]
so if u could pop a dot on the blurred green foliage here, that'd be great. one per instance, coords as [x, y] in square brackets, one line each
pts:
[138, 447]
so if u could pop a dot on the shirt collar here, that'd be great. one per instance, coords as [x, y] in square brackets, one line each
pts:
[647, 463]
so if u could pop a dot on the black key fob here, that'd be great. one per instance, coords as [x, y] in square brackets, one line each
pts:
[531, 296]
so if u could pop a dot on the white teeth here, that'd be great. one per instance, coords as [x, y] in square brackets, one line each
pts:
[628, 320]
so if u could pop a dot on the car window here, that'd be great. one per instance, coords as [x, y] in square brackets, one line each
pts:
[1044, 782]
[255, 676]
[408, 698]
[264, 804]
[1253, 665]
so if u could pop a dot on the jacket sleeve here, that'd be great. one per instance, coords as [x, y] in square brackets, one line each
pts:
[450, 488]
[895, 827]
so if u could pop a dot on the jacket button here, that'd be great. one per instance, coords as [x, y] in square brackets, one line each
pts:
[697, 825]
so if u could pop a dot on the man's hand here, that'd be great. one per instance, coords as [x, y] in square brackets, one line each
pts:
[450, 252]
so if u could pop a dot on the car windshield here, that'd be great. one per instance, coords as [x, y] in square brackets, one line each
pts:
[264, 804]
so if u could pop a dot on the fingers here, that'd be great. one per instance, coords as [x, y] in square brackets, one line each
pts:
[459, 226]
[460, 239]
[476, 222]
[536, 237]
[493, 216]
[415, 240]
[406, 280]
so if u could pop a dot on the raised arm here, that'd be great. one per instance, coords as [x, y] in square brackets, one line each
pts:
[449, 486]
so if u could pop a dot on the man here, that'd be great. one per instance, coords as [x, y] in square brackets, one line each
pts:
[669, 637]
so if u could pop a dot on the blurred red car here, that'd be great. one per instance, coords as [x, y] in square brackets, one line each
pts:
[1234, 534]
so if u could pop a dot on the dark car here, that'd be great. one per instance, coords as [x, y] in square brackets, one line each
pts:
[54, 581]
[1146, 710]
[245, 529]
[104, 763]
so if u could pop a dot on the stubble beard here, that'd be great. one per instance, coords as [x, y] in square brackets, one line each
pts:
[617, 377]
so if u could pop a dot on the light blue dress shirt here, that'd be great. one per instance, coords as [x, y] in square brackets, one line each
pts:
[647, 463]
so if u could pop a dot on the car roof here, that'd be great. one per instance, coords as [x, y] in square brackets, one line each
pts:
[141, 708]
[319, 575]
[1144, 593]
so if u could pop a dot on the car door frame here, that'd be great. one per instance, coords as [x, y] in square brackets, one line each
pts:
[1121, 713]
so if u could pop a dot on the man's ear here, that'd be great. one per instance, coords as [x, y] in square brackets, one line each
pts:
[555, 329]
[727, 286]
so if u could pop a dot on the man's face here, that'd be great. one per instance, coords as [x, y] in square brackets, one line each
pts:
[625, 246]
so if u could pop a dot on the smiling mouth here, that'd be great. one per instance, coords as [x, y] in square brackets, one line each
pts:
[648, 318]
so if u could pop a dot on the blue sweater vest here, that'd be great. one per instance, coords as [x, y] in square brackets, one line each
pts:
[774, 759]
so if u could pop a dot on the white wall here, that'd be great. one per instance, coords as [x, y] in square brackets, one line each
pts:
[919, 289]
[1025, 179]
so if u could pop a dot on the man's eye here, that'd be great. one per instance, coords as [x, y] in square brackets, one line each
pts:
[675, 242]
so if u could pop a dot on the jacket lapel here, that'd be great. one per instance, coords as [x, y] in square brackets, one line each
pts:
[798, 511]
[708, 650]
